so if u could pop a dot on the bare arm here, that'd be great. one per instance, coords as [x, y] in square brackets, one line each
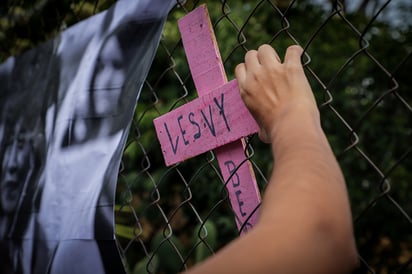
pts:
[305, 224]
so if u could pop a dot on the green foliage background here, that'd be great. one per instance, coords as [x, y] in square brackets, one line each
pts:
[360, 71]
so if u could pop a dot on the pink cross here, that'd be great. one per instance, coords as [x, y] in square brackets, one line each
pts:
[217, 120]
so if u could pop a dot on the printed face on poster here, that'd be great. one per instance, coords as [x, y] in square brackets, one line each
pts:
[65, 110]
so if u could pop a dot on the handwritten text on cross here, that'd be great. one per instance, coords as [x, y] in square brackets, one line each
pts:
[213, 120]
[217, 120]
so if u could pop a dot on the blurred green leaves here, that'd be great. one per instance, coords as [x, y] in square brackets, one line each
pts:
[360, 73]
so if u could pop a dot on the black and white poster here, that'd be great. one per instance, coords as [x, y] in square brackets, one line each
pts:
[65, 110]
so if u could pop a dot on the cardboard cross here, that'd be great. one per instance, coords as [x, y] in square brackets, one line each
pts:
[217, 120]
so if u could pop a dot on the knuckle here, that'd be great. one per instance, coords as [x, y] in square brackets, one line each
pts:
[263, 47]
[251, 53]
[239, 67]
[293, 67]
[296, 48]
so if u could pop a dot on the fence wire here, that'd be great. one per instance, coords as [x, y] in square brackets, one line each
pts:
[358, 60]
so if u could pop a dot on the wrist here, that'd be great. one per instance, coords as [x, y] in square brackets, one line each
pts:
[295, 119]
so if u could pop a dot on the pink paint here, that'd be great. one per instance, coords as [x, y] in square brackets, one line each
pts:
[240, 183]
[209, 76]
[208, 122]
[202, 51]
[208, 73]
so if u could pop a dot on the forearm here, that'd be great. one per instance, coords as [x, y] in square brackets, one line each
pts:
[305, 223]
[304, 161]
[307, 197]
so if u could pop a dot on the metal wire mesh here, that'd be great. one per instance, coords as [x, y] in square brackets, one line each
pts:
[358, 60]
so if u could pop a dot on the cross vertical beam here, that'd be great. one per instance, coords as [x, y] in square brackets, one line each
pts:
[208, 74]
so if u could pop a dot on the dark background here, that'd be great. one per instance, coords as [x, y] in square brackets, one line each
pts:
[359, 63]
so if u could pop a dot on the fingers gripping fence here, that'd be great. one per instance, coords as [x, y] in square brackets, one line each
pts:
[358, 60]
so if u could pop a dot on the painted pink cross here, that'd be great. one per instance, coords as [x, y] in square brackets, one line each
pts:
[217, 120]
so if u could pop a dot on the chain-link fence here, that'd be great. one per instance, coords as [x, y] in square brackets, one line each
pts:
[358, 60]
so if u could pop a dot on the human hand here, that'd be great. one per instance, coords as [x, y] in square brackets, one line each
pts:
[274, 91]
